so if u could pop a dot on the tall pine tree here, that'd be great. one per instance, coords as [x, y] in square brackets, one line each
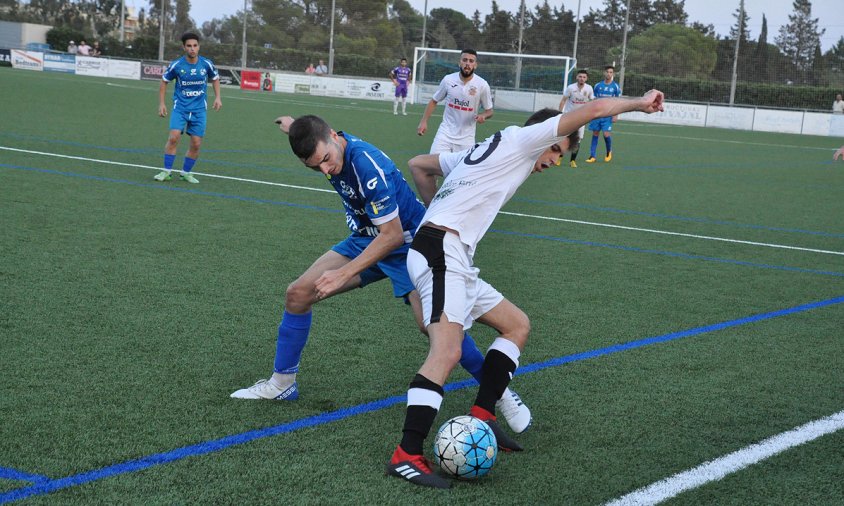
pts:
[800, 36]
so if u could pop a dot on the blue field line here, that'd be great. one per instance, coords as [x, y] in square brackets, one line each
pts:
[670, 253]
[8, 473]
[216, 445]
[678, 218]
[504, 232]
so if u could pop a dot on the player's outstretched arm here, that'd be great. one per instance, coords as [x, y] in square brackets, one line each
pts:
[284, 123]
[649, 103]
[838, 154]
[425, 170]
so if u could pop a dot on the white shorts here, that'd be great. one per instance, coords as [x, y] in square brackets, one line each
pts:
[443, 144]
[441, 270]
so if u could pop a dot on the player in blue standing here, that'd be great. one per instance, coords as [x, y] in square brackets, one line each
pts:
[604, 89]
[401, 76]
[383, 214]
[192, 73]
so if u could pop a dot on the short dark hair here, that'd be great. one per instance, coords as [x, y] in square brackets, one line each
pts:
[541, 115]
[403, 59]
[582, 71]
[609, 67]
[469, 51]
[188, 36]
[305, 133]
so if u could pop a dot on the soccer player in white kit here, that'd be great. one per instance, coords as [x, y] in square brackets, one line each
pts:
[440, 263]
[576, 96]
[463, 93]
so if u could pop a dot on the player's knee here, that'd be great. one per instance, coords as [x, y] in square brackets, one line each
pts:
[298, 294]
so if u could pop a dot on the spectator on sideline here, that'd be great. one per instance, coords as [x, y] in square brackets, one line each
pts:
[95, 50]
[83, 49]
[838, 105]
[321, 69]
[71, 47]
[383, 213]
[463, 93]
[605, 88]
[310, 69]
[575, 96]
[440, 263]
[191, 73]
[400, 76]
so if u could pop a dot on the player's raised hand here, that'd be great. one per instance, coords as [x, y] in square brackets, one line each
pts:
[652, 102]
[284, 123]
[838, 154]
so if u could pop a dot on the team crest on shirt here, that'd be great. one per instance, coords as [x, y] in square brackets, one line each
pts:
[472, 91]
[202, 71]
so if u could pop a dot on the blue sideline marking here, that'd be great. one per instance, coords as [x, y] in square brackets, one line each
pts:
[505, 232]
[7, 473]
[216, 445]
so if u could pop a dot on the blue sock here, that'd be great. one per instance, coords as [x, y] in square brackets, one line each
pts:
[608, 142]
[168, 161]
[188, 164]
[471, 359]
[594, 148]
[292, 336]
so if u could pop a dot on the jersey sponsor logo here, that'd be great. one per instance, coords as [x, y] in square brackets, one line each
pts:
[379, 205]
[461, 105]
[372, 183]
[348, 190]
[192, 93]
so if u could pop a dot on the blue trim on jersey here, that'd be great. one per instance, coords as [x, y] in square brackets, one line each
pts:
[372, 188]
[191, 82]
[393, 266]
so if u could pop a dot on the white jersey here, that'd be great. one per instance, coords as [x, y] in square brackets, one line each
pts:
[462, 103]
[479, 182]
[577, 97]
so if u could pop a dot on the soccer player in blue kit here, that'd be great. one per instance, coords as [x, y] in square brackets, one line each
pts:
[383, 214]
[604, 89]
[400, 76]
[192, 73]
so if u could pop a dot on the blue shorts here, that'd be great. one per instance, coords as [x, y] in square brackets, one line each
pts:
[192, 122]
[393, 266]
[605, 124]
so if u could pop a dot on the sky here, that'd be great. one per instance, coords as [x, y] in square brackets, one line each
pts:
[716, 12]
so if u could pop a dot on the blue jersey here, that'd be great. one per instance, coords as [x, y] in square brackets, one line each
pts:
[402, 74]
[191, 82]
[603, 90]
[374, 191]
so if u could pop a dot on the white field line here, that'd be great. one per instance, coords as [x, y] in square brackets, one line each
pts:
[716, 469]
[665, 232]
[522, 215]
[109, 162]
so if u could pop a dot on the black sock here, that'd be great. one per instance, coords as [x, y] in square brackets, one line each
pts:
[497, 371]
[419, 418]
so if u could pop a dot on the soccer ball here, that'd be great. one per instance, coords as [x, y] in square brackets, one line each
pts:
[465, 447]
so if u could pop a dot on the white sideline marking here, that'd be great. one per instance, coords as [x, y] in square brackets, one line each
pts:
[159, 169]
[522, 215]
[716, 469]
[665, 232]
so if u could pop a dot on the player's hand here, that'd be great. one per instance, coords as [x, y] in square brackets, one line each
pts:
[329, 283]
[838, 154]
[652, 102]
[284, 123]
[422, 128]
[162, 110]
[217, 103]
[480, 118]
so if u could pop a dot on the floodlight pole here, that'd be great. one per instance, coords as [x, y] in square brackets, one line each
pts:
[739, 35]
[624, 47]
[576, 34]
[421, 76]
[521, 33]
[243, 43]
[122, 18]
[331, 41]
[161, 31]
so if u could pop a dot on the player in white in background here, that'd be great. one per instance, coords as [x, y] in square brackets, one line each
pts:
[463, 93]
[440, 262]
[576, 96]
